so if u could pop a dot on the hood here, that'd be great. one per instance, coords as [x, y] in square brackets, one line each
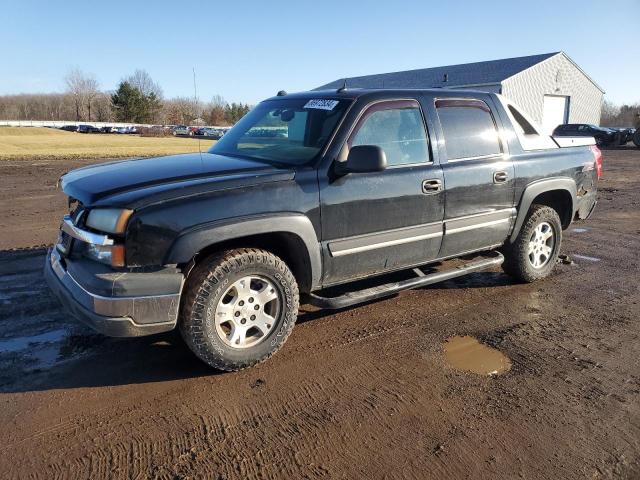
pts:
[129, 181]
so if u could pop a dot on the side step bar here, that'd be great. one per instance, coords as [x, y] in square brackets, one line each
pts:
[381, 291]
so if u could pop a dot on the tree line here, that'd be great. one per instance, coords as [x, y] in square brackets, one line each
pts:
[137, 99]
[620, 115]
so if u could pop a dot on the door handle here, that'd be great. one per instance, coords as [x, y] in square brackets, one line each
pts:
[432, 186]
[500, 176]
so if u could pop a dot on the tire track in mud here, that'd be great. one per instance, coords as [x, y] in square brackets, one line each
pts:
[228, 422]
[203, 437]
[129, 416]
[209, 442]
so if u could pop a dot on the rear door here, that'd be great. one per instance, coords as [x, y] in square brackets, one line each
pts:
[381, 221]
[478, 175]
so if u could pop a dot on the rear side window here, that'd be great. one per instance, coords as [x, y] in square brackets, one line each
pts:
[469, 129]
[522, 123]
[397, 128]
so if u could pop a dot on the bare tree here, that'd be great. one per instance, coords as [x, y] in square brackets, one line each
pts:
[215, 111]
[609, 112]
[180, 110]
[92, 90]
[103, 108]
[143, 82]
[83, 88]
[620, 116]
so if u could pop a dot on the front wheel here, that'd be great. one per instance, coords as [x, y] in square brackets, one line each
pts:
[534, 252]
[240, 307]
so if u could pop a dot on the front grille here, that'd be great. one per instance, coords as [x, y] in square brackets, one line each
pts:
[64, 243]
[76, 210]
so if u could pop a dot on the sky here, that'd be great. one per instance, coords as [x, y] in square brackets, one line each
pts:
[248, 50]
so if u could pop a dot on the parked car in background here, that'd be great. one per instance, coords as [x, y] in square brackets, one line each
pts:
[603, 136]
[126, 130]
[88, 129]
[69, 128]
[625, 134]
[209, 132]
[181, 130]
[107, 129]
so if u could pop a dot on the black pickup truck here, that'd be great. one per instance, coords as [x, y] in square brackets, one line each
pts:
[307, 196]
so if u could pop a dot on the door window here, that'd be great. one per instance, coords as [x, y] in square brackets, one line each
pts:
[468, 128]
[398, 129]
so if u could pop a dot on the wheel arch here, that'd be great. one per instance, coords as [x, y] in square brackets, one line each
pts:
[290, 237]
[557, 193]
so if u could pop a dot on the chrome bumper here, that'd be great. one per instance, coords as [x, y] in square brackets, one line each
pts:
[117, 316]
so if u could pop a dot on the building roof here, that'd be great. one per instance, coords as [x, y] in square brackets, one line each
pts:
[466, 74]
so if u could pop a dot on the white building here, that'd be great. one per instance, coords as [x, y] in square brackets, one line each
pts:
[551, 87]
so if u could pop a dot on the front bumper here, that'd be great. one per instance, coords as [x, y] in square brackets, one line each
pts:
[117, 304]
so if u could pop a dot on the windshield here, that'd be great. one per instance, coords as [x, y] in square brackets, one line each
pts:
[289, 131]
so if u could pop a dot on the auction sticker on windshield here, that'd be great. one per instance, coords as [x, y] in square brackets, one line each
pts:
[321, 104]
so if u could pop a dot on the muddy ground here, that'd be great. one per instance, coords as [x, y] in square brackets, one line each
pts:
[362, 393]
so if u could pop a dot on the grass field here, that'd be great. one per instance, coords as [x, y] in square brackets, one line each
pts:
[33, 142]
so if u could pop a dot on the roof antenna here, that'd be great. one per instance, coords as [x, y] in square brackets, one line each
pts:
[343, 87]
[195, 104]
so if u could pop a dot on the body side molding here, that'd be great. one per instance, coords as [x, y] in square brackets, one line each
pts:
[372, 241]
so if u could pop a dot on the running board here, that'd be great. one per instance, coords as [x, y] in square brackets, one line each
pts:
[382, 291]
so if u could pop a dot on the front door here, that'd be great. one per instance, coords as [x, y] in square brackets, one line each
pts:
[382, 221]
[478, 176]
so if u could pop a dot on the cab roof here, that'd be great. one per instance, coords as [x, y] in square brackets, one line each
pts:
[354, 93]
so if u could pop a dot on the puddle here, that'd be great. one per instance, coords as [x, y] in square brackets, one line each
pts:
[584, 257]
[579, 230]
[44, 350]
[469, 355]
[17, 344]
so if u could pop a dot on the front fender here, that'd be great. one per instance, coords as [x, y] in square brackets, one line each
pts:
[535, 189]
[195, 239]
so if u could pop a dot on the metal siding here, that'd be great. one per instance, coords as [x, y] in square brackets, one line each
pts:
[555, 76]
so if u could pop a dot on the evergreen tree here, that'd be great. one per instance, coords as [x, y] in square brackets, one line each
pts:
[132, 105]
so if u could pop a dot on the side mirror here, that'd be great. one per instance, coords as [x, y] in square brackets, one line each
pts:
[363, 159]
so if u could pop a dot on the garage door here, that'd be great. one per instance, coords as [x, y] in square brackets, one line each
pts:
[555, 112]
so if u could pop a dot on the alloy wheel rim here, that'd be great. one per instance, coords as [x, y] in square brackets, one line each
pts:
[246, 313]
[541, 243]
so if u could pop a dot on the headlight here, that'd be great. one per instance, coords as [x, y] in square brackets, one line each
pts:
[109, 220]
[109, 254]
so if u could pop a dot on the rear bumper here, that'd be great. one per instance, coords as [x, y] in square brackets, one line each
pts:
[113, 312]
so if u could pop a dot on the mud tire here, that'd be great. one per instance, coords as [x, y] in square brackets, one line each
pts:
[208, 282]
[516, 256]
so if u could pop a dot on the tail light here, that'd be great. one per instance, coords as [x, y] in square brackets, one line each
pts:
[597, 160]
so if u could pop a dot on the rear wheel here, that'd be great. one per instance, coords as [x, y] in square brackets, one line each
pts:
[534, 252]
[636, 137]
[240, 307]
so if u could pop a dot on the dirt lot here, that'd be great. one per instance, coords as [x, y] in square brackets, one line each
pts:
[362, 393]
